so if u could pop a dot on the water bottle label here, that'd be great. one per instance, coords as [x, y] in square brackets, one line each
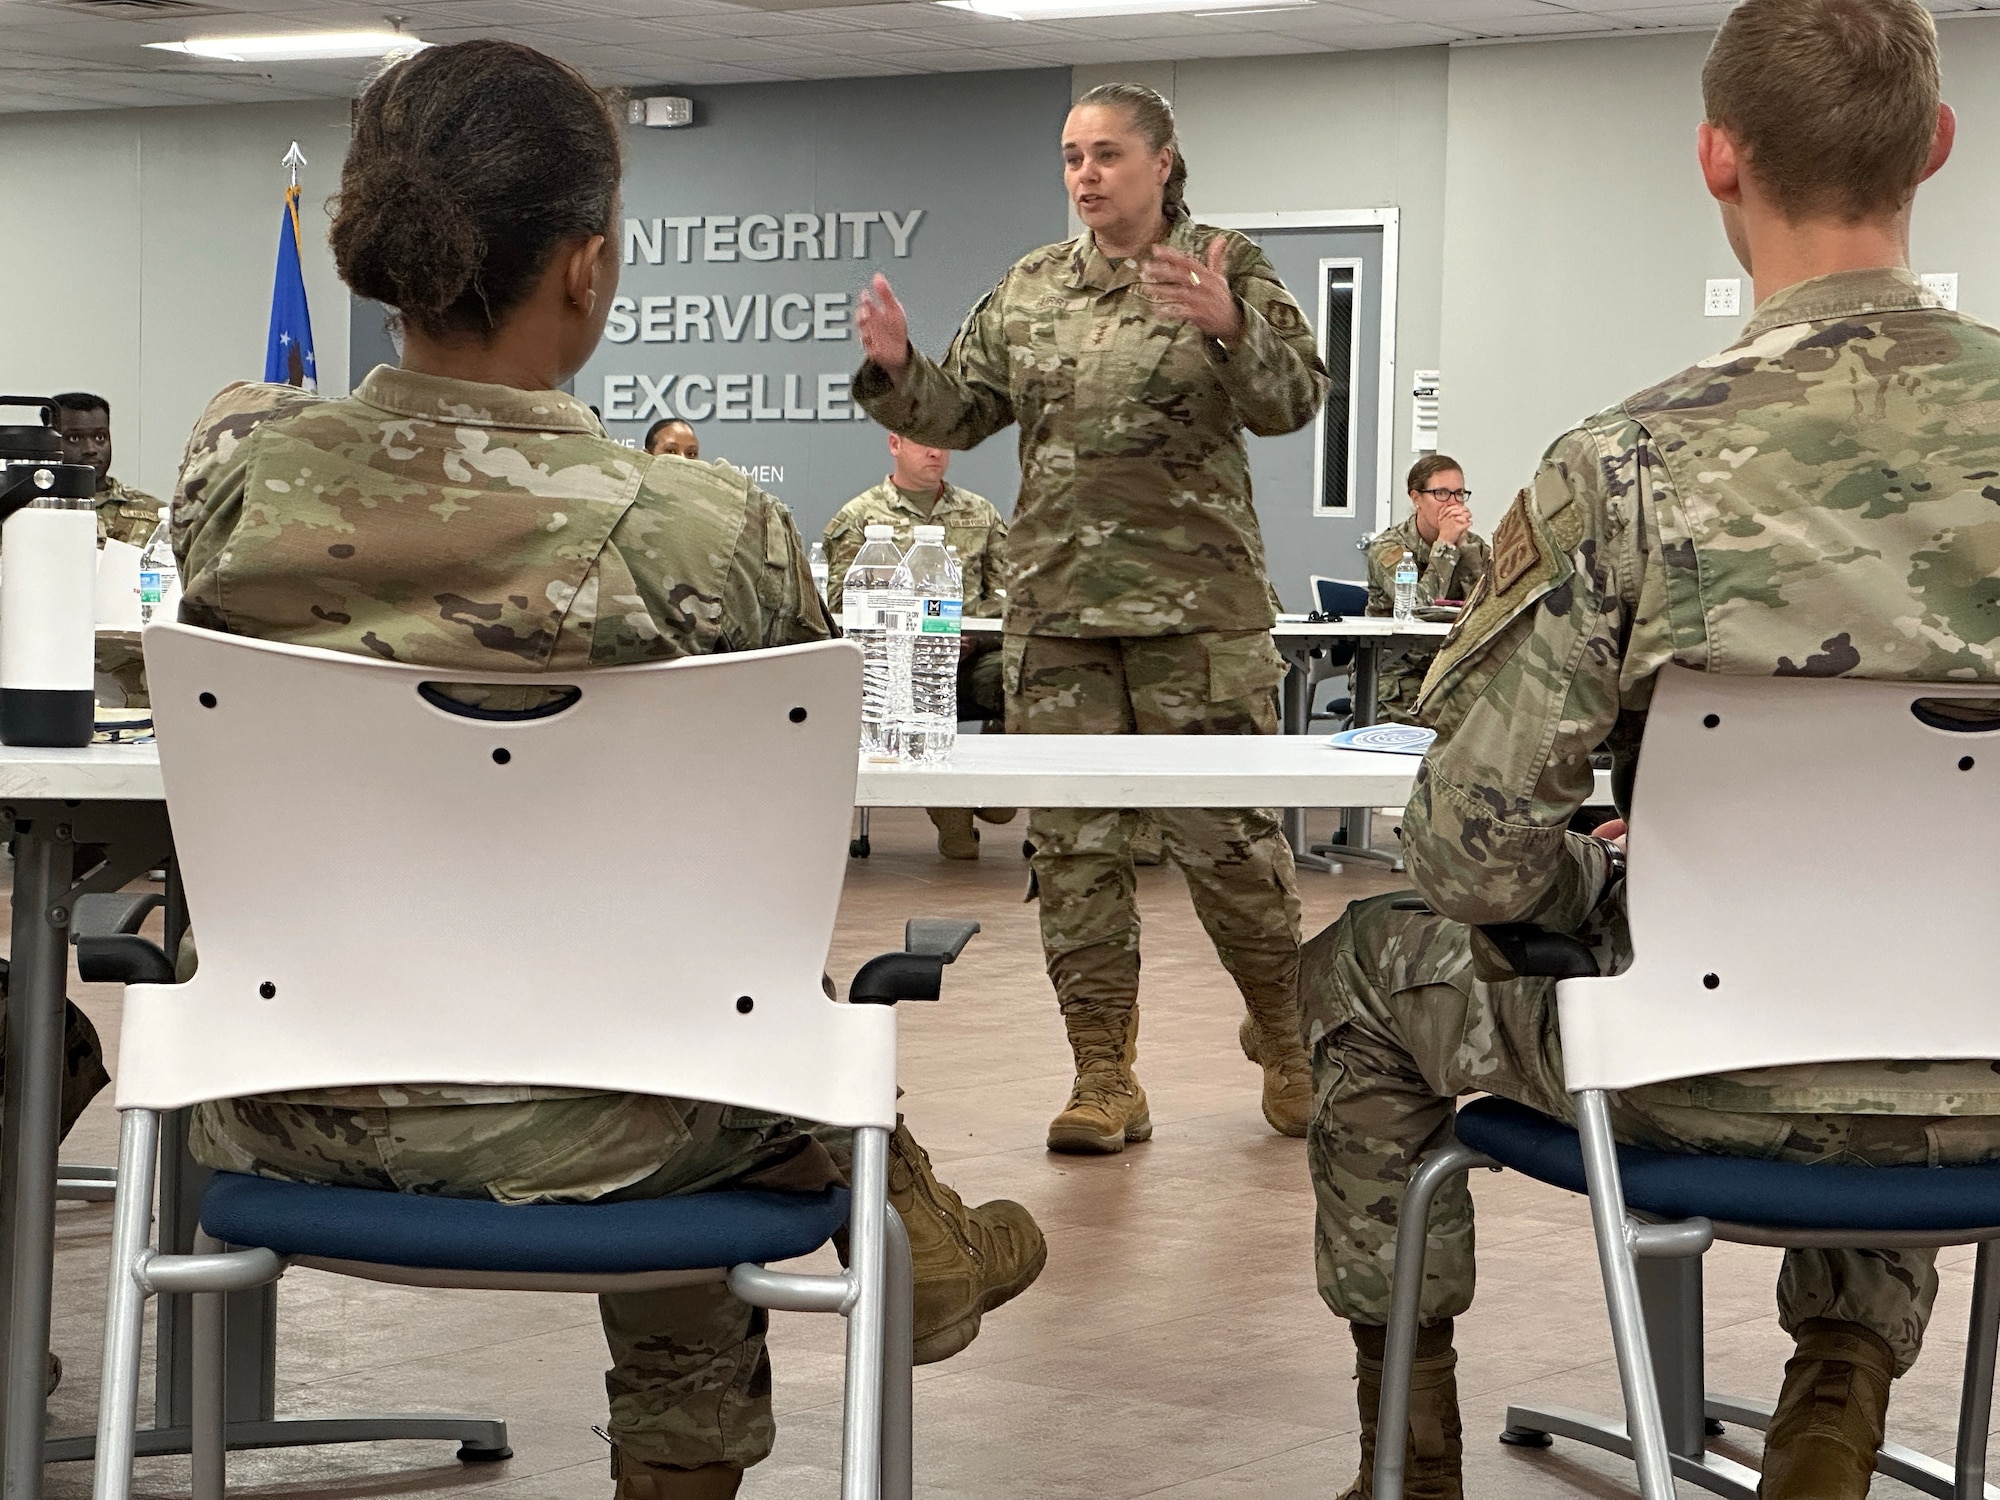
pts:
[941, 616]
[151, 588]
[856, 614]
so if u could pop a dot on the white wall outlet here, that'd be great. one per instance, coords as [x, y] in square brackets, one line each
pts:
[1724, 298]
[1942, 285]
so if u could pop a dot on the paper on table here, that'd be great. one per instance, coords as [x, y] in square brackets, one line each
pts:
[117, 586]
[1393, 739]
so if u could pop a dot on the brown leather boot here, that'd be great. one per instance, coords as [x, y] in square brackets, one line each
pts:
[964, 1261]
[1106, 1106]
[957, 838]
[1828, 1427]
[1288, 1090]
[1431, 1466]
[638, 1480]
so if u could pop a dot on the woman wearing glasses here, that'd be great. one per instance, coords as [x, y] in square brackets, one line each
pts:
[1451, 559]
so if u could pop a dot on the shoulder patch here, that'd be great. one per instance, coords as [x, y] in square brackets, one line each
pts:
[1284, 317]
[1515, 550]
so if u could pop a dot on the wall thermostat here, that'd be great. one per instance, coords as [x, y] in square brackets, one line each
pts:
[661, 111]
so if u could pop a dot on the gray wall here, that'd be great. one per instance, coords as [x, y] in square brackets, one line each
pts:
[148, 277]
[977, 153]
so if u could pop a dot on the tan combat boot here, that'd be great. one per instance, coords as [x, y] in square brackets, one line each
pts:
[1432, 1463]
[638, 1480]
[1288, 1090]
[996, 814]
[1106, 1106]
[964, 1261]
[1828, 1427]
[957, 838]
[1148, 848]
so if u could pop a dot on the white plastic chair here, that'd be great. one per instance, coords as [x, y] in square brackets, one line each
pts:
[577, 897]
[1759, 940]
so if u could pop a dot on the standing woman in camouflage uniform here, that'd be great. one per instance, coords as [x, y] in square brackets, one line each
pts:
[463, 513]
[1133, 357]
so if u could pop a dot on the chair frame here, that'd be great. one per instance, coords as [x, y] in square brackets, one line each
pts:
[1651, 1269]
[377, 731]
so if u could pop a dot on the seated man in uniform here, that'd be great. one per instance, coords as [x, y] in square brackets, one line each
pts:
[124, 514]
[672, 435]
[1451, 559]
[1632, 548]
[916, 494]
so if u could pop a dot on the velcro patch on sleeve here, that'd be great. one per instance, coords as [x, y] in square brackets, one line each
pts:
[1515, 550]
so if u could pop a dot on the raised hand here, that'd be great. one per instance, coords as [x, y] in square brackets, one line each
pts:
[1453, 525]
[1195, 291]
[884, 328]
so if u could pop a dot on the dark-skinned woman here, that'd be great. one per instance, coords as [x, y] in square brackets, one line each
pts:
[1134, 357]
[479, 199]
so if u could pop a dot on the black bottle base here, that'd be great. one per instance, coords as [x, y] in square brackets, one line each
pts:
[53, 718]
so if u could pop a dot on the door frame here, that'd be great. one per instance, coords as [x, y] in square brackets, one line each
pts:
[1388, 221]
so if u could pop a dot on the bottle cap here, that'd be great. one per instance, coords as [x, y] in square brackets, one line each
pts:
[930, 534]
[879, 533]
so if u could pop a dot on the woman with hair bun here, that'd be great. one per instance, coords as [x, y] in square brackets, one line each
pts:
[460, 511]
[1134, 357]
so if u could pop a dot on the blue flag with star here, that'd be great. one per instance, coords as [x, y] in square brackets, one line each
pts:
[288, 353]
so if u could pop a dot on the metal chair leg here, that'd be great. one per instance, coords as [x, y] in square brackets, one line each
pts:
[1621, 1293]
[1975, 1402]
[898, 1461]
[1392, 1413]
[124, 1323]
[207, 1452]
[861, 1439]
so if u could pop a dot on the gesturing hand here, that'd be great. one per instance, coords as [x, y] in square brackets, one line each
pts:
[885, 330]
[1453, 525]
[1195, 291]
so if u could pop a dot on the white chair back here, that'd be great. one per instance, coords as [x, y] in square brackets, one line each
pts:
[635, 893]
[1774, 920]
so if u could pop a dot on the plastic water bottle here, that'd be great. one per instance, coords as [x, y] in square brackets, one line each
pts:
[816, 559]
[936, 583]
[875, 608]
[159, 575]
[1406, 586]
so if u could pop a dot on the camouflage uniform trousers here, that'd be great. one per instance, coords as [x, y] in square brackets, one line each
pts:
[1399, 683]
[1397, 1026]
[690, 1382]
[1237, 864]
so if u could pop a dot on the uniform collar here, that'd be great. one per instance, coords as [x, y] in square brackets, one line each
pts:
[896, 497]
[1844, 294]
[1090, 267]
[468, 403]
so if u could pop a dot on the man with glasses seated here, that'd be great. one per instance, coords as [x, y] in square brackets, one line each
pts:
[1451, 559]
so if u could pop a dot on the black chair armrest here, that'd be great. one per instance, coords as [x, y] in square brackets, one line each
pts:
[1535, 951]
[122, 958]
[944, 936]
[105, 912]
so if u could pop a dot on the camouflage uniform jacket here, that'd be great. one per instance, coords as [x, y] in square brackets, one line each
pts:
[1134, 516]
[1444, 571]
[970, 523]
[1819, 500]
[125, 514]
[478, 529]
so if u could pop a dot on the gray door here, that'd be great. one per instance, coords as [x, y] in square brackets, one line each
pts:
[1321, 490]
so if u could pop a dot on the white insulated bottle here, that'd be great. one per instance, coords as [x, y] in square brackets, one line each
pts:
[48, 599]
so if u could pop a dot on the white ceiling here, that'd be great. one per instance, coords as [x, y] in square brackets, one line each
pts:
[87, 54]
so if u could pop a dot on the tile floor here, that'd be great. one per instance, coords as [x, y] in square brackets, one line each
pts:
[1173, 1348]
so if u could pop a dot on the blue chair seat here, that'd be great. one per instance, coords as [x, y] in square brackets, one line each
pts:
[688, 1233]
[1742, 1190]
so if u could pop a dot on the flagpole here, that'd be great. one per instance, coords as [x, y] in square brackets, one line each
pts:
[293, 160]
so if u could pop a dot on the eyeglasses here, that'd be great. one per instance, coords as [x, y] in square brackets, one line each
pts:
[1447, 494]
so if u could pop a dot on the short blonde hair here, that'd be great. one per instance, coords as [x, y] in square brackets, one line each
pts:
[1833, 102]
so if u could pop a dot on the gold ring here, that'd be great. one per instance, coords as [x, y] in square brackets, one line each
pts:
[1194, 278]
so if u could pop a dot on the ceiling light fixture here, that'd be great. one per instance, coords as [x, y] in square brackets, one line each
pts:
[1064, 10]
[296, 46]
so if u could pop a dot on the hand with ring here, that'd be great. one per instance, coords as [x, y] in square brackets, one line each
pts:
[1195, 291]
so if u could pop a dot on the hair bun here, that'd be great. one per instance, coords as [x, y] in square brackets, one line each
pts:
[401, 236]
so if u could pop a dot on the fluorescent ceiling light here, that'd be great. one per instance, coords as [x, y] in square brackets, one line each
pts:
[295, 46]
[1063, 10]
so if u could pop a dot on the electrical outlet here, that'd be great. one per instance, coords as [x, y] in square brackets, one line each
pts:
[1942, 285]
[1724, 298]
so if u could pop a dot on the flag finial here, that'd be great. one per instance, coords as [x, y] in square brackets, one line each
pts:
[293, 160]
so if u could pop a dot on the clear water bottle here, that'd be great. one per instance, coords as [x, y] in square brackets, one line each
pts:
[1406, 586]
[875, 612]
[936, 583]
[159, 575]
[816, 559]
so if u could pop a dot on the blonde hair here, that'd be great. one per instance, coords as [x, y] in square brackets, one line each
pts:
[1153, 118]
[1833, 102]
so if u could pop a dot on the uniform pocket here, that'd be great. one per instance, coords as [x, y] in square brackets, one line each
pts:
[1243, 666]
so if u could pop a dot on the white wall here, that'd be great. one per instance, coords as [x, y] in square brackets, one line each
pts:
[1578, 236]
[138, 256]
